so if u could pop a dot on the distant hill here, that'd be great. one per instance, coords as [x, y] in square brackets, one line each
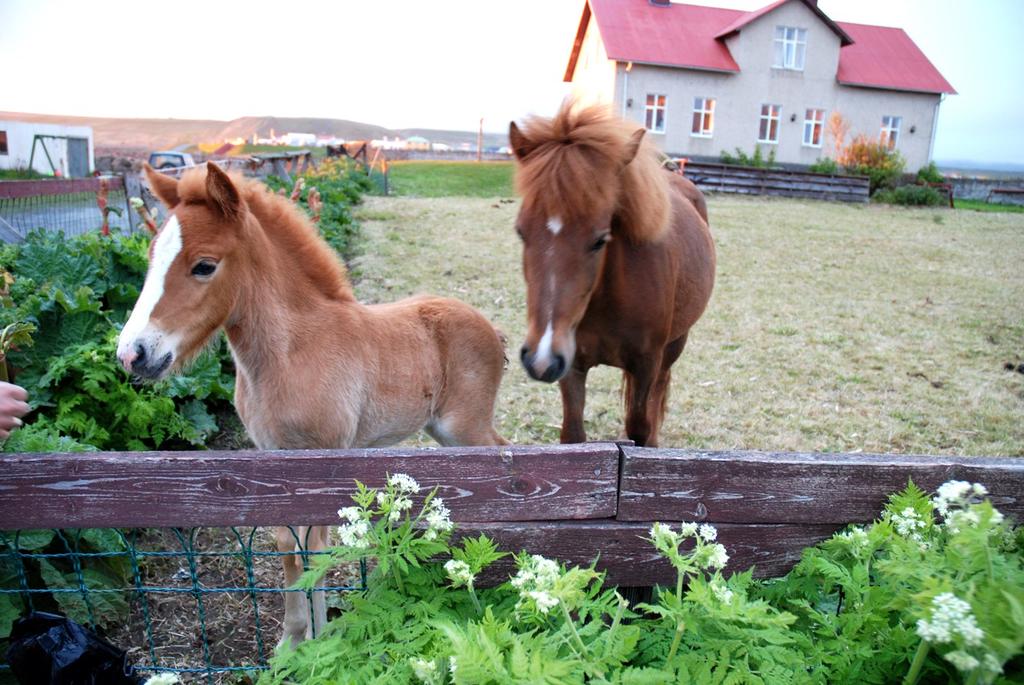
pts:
[159, 134]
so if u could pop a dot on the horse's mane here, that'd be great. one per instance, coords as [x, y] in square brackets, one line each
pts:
[285, 225]
[574, 168]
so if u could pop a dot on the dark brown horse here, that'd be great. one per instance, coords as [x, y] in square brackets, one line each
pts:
[618, 260]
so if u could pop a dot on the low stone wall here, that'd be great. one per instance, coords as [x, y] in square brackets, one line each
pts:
[974, 188]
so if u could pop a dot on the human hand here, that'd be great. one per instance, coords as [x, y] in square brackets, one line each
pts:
[13, 406]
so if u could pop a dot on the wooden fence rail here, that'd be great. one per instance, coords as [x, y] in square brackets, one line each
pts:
[726, 178]
[577, 503]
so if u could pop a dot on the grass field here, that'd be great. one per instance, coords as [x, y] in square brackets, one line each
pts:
[982, 206]
[440, 179]
[832, 327]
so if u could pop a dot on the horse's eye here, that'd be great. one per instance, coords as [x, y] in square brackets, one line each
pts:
[204, 269]
[600, 242]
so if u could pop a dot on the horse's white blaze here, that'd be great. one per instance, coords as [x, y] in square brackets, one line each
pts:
[544, 346]
[166, 248]
[554, 225]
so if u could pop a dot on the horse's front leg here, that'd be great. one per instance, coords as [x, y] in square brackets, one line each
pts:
[574, 396]
[296, 607]
[640, 378]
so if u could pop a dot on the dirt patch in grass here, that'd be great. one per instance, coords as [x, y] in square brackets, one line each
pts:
[832, 327]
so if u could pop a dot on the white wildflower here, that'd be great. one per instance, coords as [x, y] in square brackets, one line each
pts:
[350, 514]
[957, 520]
[403, 483]
[425, 670]
[459, 572]
[951, 616]
[856, 537]
[956, 494]
[451, 665]
[717, 558]
[688, 530]
[708, 532]
[992, 664]
[546, 569]
[543, 600]
[438, 519]
[962, 660]
[163, 679]
[908, 524]
[398, 506]
[535, 579]
[663, 536]
[354, 534]
[723, 593]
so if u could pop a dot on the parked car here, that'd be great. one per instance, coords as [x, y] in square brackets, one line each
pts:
[170, 160]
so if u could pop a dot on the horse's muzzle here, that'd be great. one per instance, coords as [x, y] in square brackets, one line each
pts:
[143, 364]
[549, 373]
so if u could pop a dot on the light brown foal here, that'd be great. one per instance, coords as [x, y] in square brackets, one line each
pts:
[314, 367]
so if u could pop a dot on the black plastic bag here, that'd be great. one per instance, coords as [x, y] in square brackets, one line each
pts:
[49, 648]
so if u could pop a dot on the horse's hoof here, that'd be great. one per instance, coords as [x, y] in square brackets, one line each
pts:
[289, 643]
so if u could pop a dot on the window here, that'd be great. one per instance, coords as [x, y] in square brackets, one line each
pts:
[814, 121]
[3, 142]
[703, 117]
[769, 130]
[790, 46]
[654, 113]
[891, 131]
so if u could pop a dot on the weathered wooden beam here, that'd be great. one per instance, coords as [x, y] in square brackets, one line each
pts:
[16, 189]
[629, 560]
[769, 487]
[164, 489]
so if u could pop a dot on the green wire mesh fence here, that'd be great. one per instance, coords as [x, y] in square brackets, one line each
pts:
[205, 602]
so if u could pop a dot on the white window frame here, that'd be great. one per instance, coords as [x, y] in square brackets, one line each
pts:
[814, 119]
[704, 107]
[890, 134]
[774, 113]
[651, 112]
[790, 48]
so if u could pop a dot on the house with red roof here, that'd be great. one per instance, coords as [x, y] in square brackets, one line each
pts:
[704, 79]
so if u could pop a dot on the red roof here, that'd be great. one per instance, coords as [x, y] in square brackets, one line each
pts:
[883, 57]
[692, 36]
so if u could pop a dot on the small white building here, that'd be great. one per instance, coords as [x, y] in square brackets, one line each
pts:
[299, 139]
[51, 148]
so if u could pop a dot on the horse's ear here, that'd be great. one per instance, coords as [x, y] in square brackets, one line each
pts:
[164, 187]
[633, 146]
[223, 194]
[520, 144]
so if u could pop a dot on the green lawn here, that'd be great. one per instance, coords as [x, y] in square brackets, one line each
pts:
[20, 175]
[982, 206]
[441, 179]
[833, 327]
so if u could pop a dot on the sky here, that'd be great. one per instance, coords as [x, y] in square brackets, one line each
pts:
[440, 64]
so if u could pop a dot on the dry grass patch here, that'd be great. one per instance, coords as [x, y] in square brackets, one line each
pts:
[832, 327]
